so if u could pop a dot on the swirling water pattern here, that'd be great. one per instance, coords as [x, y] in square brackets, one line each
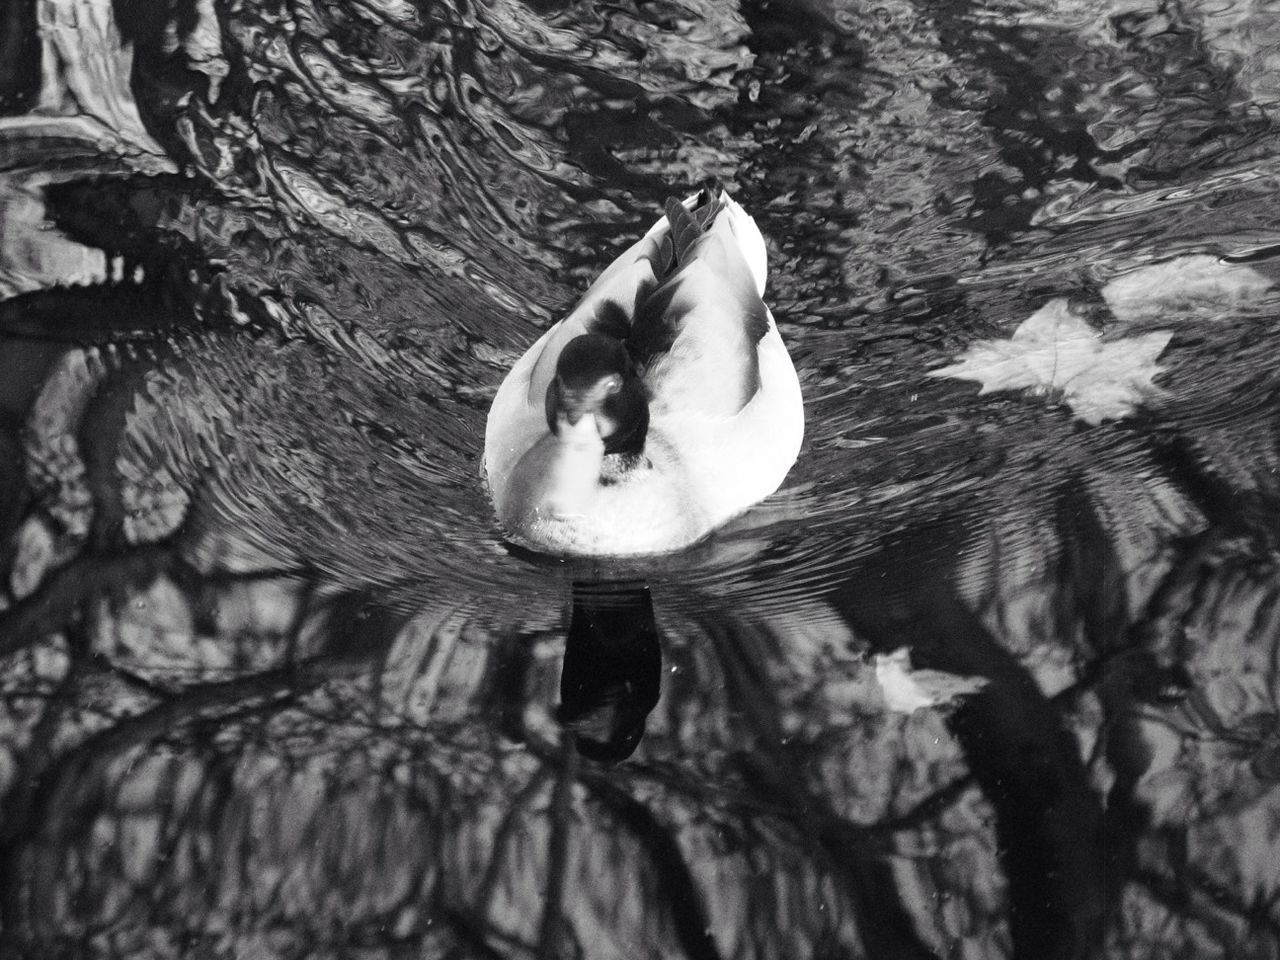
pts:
[276, 686]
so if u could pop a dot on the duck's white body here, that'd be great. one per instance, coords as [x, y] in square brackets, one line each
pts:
[726, 417]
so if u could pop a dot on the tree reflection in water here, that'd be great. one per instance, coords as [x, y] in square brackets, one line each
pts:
[271, 684]
[230, 759]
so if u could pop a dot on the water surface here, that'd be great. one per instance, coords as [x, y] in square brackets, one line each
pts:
[994, 674]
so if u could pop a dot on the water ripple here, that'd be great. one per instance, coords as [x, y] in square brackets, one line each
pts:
[265, 264]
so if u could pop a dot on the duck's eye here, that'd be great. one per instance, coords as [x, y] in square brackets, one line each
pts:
[612, 384]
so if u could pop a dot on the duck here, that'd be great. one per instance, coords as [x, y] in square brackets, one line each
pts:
[662, 406]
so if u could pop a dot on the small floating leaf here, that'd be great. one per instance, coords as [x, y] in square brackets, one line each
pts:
[906, 690]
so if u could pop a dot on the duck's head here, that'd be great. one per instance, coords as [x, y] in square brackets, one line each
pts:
[596, 378]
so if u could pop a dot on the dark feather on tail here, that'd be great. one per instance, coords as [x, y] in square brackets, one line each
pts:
[684, 233]
[686, 227]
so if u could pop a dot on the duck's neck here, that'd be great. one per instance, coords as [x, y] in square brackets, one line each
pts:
[629, 411]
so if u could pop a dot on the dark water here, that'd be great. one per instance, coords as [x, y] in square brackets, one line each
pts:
[273, 685]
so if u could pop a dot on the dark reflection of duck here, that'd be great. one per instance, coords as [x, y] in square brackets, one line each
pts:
[612, 669]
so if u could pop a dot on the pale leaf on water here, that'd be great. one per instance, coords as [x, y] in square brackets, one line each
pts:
[1191, 286]
[1056, 352]
[906, 690]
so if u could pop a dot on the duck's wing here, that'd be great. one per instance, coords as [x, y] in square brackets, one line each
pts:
[687, 303]
[607, 307]
[697, 332]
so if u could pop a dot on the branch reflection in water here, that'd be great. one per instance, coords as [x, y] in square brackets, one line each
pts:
[272, 685]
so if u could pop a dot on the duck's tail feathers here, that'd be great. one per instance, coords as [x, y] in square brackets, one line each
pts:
[633, 298]
[685, 226]
[710, 210]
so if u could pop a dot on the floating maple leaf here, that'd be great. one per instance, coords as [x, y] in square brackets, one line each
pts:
[1055, 351]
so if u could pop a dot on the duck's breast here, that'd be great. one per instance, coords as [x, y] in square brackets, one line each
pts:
[648, 509]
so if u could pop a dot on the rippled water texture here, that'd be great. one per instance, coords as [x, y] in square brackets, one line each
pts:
[995, 674]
